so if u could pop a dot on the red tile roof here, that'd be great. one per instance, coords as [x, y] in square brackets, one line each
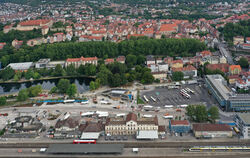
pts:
[34, 22]
[131, 116]
[168, 27]
[222, 67]
[211, 127]
[81, 59]
[187, 68]
[232, 67]
[179, 122]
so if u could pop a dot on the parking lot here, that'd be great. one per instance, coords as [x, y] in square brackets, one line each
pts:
[165, 96]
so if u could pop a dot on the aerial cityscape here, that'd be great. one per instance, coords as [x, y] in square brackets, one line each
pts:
[116, 78]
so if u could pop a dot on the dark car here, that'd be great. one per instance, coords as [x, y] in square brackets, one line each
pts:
[112, 138]
[118, 138]
[106, 137]
[125, 138]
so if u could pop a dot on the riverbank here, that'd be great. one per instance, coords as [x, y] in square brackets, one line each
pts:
[48, 78]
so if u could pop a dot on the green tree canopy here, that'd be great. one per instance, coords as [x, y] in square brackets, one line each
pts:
[72, 90]
[2, 100]
[213, 113]
[22, 95]
[243, 62]
[63, 85]
[177, 76]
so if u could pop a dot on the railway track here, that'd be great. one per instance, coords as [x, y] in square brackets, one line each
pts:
[141, 144]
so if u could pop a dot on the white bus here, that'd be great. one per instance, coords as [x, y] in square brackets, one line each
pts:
[69, 101]
[168, 117]
[184, 106]
[85, 102]
[168, 106]
[145, 98]
[153, 99]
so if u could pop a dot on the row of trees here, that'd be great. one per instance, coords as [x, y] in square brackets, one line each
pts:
[63, 87]
[231, 30]
[24, 94]
[62, 51]
[199, 113]
[118, 74]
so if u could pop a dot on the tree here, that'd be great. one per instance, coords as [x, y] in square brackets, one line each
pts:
[29, 74]
[34, 91]
[243, 62]
[53, 90]
[7, 73]
[177, 76]
[147, 78]
[18, 76]
[58, 71]
[2, 100]
[71, 70]
[22, 95]
[92, 85]
[131, 60]
[90, 70]
[72, 90]
[191, 112]
[213, 113]
[36, 75]
[63, 85]
[115, 80]
[200, 113]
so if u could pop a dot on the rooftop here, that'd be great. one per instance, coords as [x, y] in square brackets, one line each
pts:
[217, 81]
[179, 122]
[211, 127]
[245, 117]
[147, 135]
[21, 66]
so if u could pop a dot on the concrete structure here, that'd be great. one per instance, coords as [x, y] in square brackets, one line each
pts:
[228, 100]
[42, 63]
[21, 66]
[81, 61]
[131, 125]
[179, 126]
[150, 60]
[238, 40]
[85, 149]
[147, 135]
[212, 130]
[242, 121]
[159, 75]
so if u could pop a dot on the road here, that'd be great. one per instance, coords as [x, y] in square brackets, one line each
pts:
[226, 54]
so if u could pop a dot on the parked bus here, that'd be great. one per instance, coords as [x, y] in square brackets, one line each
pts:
[236, 130]
[153, 99]
[168, 117]
[168, 106]
[145, 98]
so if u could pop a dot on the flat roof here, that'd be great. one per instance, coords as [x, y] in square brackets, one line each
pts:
[216, 80]
[147, 135]
[85, 149]
[20, 66]
[245, 117]
[90, 135]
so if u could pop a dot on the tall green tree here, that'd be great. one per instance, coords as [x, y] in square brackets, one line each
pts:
[7, 73]
[72, 90]
[2, 100]
[63, 85]
[177, 76]
[58, 71]
[22, 95]
[34, 91]
[213, 113]
[243, 62]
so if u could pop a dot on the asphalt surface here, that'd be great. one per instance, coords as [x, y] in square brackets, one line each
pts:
[226, 54]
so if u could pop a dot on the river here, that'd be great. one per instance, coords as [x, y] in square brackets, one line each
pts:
[8, 88]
